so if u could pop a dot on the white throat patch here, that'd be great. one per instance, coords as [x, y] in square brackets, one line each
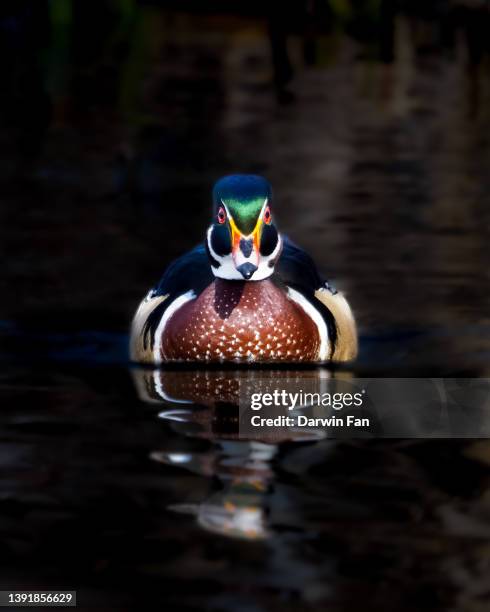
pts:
[227, 269]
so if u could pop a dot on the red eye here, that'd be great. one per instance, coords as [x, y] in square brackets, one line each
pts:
[221, 215]
[267, 216]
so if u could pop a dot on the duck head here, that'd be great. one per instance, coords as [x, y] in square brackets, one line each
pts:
[243, 242]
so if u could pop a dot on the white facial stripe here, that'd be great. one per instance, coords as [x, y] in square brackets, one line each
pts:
[276, 251]
[226, 209]
[263, 207]
[210, 246]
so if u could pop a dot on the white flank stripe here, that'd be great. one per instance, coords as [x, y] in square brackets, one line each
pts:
[174, 306]
[317, 318]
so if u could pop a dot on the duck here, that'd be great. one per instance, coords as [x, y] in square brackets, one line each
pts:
[246, 295]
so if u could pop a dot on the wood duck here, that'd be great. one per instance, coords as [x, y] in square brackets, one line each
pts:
[247, 295]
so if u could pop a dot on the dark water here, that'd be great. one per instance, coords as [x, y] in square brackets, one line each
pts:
[381, 172]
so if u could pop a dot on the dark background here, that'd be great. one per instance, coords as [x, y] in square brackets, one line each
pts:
[371, 120]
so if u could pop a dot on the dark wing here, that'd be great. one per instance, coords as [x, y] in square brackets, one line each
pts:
[297, 269]
[192, 271]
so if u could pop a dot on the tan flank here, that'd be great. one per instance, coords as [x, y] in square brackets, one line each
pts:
[346, 346]
[137, 351]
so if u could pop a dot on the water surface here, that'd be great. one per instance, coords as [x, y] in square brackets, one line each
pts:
[381, 171]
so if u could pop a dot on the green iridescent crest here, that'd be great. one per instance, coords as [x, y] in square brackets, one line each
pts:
[244, 196]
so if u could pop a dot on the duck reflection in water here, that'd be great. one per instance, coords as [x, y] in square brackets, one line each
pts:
[239, 508]
[205, 404]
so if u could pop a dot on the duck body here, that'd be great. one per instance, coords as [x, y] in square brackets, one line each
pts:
[293, 316]
[240, 322]
[247, 295]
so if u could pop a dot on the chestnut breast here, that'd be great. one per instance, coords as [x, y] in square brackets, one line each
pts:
[240, 322]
